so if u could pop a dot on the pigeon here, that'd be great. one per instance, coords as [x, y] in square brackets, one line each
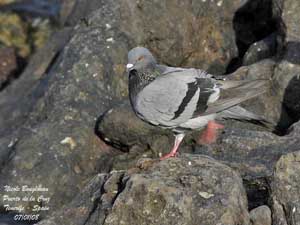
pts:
[186, 99]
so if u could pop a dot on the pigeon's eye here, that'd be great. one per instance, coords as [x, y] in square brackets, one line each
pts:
[140, 58]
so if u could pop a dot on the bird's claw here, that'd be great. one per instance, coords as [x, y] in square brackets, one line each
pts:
[169, 155]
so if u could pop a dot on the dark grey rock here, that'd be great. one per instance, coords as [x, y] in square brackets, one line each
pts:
[287, 83]
[286, 77]
[253, 22]
[268, 105]
[185, 190]
[288, 12]
[263, 49]
[285, 190]
[8, 65]
[83, 207]
[173, 39]
[261, 216]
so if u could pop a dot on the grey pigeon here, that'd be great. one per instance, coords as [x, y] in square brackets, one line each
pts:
[184, 99]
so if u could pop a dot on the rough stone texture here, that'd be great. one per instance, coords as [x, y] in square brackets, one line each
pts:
[286, 77]
[82, 208]
[289, 12]
[269, 104]
[50, 139]
[173, 38]
[134, 137]
[8, 64]
[286, 190]
[186, 190]
[254, 21]
[18, 99]
[50, 132]
[13, 33]
[287, 83]
[261, 216]
[263, 49]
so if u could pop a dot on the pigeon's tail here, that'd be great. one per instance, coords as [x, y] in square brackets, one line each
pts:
[239, 113]
[235, 92]
[243, 84]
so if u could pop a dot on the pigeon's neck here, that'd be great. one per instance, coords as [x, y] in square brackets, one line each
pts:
[139, 79]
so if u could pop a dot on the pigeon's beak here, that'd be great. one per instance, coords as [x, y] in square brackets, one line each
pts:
[129, 66]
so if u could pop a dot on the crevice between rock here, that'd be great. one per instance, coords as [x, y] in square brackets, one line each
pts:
[252, 22]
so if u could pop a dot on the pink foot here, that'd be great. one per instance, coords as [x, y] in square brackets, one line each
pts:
[209, 135]
[169, 155]
[173, 153]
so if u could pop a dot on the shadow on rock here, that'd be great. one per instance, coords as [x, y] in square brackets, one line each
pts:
[291, 98]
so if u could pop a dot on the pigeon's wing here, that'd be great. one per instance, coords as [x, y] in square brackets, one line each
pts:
[179, 71]
[234, 92]
[175, 96]
[179, 95]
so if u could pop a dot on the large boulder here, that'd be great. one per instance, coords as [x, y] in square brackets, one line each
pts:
[286, 190]
[269, 104]
[186, 190]
[286, 77]
[173, 38]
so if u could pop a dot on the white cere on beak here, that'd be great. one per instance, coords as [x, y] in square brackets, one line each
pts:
[129, 65]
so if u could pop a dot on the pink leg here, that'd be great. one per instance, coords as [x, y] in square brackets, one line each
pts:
[178, 140]
[209, 135]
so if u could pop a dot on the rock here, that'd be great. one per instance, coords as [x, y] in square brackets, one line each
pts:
[254, 21]
[33, 8]
[74, 11]
[261, 216]
[41, 32]
[253, 154]
[269, 104]
[17, 99]
[278, 216]
[188, 189]
[84, 206]
[288, 11]
[287, 83]
[130, 129]
[285, 189]
[286, 77]
[56, 127]
[8, 65]
[263, 49]
[134, 137]
[67, 7]
[13, 33]
[211, 49]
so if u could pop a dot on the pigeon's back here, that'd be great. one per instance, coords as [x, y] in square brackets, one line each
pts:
[172, 98]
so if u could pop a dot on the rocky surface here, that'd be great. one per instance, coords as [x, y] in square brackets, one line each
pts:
[261, 216]
[285, 190]
[56, 115]
[265, 48]
[69, 117]
[173, 39]
[8, 65]
[189, 190]
[286, 77]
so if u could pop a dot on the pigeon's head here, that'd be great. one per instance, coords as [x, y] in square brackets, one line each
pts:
[140, 58]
